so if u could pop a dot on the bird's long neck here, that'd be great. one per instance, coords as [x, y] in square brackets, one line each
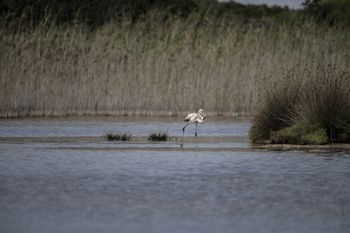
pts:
[201, 114]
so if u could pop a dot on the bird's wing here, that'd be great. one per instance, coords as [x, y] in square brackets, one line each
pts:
[190, 117]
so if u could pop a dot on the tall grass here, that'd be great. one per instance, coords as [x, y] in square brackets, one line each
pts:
[161, 65]
[313, 108]
[325, 101]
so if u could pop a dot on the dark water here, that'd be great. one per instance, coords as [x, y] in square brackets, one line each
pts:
[50, 187]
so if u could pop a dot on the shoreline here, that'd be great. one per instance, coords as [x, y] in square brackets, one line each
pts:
[133, 139]
[142, 143]
[120, 114]
[290, 147]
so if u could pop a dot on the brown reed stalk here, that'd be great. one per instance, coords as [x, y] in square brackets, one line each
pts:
[156, 66]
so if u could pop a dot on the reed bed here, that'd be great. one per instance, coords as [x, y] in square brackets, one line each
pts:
[311, 109]
[157, 66]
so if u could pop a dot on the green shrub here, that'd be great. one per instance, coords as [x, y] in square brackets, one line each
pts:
[331, 12]
[317, 137]
[300, 133]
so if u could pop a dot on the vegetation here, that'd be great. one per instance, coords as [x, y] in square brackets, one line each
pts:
[158, 136]
[331, 12]
[96, 13]
[118, 136]
[300, 133]
[150, 57]
[313, 109]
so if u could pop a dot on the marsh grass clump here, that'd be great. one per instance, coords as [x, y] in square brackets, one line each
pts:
[274, 111]
[118, 136]
[158, 136]
[326, 102]
[300, 133]
[310, 109]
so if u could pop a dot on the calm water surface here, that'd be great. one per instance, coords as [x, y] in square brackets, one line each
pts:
[52, 187]
[135, 126]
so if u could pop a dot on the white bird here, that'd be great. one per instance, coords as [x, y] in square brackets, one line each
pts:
[194, 118]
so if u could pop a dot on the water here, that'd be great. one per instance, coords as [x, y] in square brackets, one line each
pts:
[81, 186]
[99, 126]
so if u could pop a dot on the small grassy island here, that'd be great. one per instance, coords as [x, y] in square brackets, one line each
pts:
[158, 136]
[312, 110]
[118, 136]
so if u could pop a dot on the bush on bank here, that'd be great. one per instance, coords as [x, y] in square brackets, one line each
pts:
[313, 109]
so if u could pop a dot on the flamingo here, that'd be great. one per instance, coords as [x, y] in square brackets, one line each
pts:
[194, 118]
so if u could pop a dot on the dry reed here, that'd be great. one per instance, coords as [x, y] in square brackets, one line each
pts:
[156, 66]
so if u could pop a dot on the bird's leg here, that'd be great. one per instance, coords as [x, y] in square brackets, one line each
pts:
[195, 134]
[183, 129]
